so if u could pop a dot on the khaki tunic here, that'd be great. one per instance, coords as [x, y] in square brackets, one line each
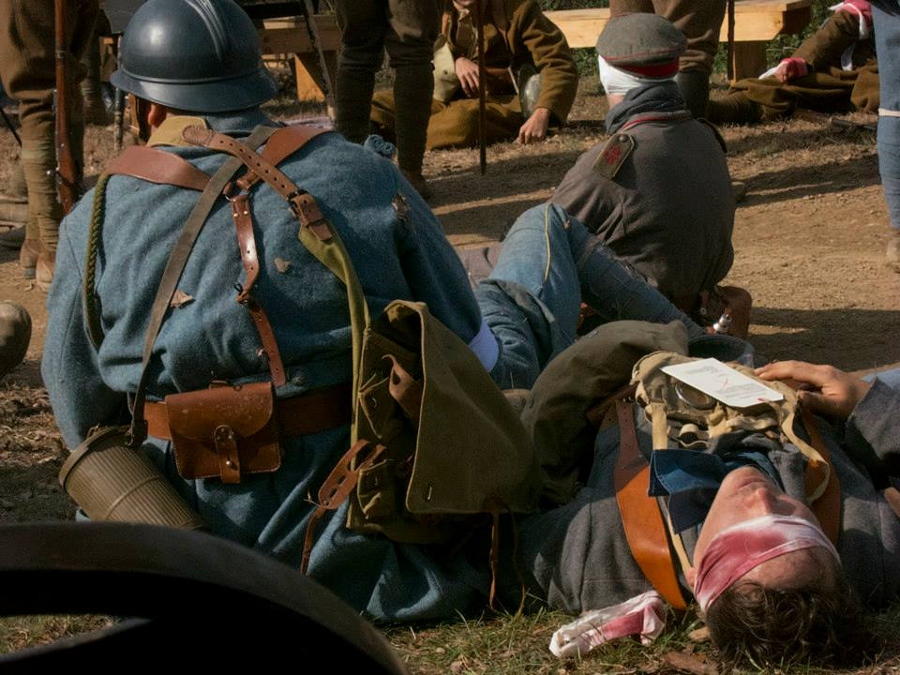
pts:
[516, 33]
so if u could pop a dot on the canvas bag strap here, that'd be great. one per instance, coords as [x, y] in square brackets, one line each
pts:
[174, 268]
[644, 527]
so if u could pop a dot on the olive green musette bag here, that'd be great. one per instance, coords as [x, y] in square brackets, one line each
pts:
[434, 440]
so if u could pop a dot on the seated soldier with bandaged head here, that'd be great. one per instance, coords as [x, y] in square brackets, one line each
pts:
[657, 191]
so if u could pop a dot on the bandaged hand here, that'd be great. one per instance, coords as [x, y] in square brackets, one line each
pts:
[791, 68]
[467, 74]
[862, 7]
[535, 127]
[823, 389]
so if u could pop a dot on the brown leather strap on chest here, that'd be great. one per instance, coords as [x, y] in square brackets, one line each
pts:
[243, 223]
[641, 517]
[157, 166]
[828, 506]
[262, 167]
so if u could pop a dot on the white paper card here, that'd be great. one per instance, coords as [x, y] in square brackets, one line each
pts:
[723, 383]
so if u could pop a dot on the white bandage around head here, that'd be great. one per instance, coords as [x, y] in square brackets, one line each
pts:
[617, 81]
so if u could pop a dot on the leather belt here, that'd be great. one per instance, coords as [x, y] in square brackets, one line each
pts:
[319, 410]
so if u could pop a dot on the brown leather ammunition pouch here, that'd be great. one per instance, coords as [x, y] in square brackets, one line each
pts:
[230, 430]
[225, 431]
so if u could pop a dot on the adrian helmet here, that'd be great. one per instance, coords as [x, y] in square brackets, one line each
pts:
[193, 55]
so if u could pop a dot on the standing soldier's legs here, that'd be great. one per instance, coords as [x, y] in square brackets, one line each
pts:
[414, 27]
[701, 22]
[619, 7]
[95, 111]
[363, 26]
[886, 18]
[28, 67]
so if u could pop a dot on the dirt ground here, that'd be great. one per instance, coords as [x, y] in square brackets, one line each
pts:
[809, 239]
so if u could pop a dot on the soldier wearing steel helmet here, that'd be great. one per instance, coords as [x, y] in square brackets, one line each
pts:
[197, 62]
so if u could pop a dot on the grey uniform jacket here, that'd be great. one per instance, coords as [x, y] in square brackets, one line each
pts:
[667, 208]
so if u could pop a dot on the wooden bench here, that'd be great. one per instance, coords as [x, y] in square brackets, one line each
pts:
[756, 22]
[290, 36]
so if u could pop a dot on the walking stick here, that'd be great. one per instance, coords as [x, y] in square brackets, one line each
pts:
[730, 66]
[482, 84]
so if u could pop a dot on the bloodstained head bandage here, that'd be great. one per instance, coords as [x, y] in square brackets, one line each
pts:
[736, 550]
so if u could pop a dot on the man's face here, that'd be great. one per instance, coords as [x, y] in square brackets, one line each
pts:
[748, 493]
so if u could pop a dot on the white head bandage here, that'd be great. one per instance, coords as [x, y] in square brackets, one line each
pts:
[617, 81]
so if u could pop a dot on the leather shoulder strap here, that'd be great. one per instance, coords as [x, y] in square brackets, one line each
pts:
[641, 518]
[828, 506]
[288, 140]
[158, 166]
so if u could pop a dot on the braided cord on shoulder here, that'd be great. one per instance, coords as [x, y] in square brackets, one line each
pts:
[91, 301]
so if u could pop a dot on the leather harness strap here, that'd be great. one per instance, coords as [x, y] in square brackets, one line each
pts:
[261, 168]
[319, 410]
[641, 518]
[828, 506]
[243, 223]
[157, 166]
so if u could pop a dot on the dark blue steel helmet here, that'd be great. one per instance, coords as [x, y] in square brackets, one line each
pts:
[193, 55]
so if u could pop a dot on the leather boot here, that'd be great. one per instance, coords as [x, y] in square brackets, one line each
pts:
[14, 209]
[28, 256]
[44, 269]
[13, 214]
[413, 88]
[417, 180]
[15, 334]
[14, 237]
[16, 192]
[354, 88]
[694, 86]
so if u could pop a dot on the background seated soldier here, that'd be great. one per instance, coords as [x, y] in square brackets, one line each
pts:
[519, 39]
[835, 70]
[658, 191]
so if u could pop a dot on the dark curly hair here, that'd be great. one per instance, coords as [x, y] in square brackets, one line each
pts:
[770, 627]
